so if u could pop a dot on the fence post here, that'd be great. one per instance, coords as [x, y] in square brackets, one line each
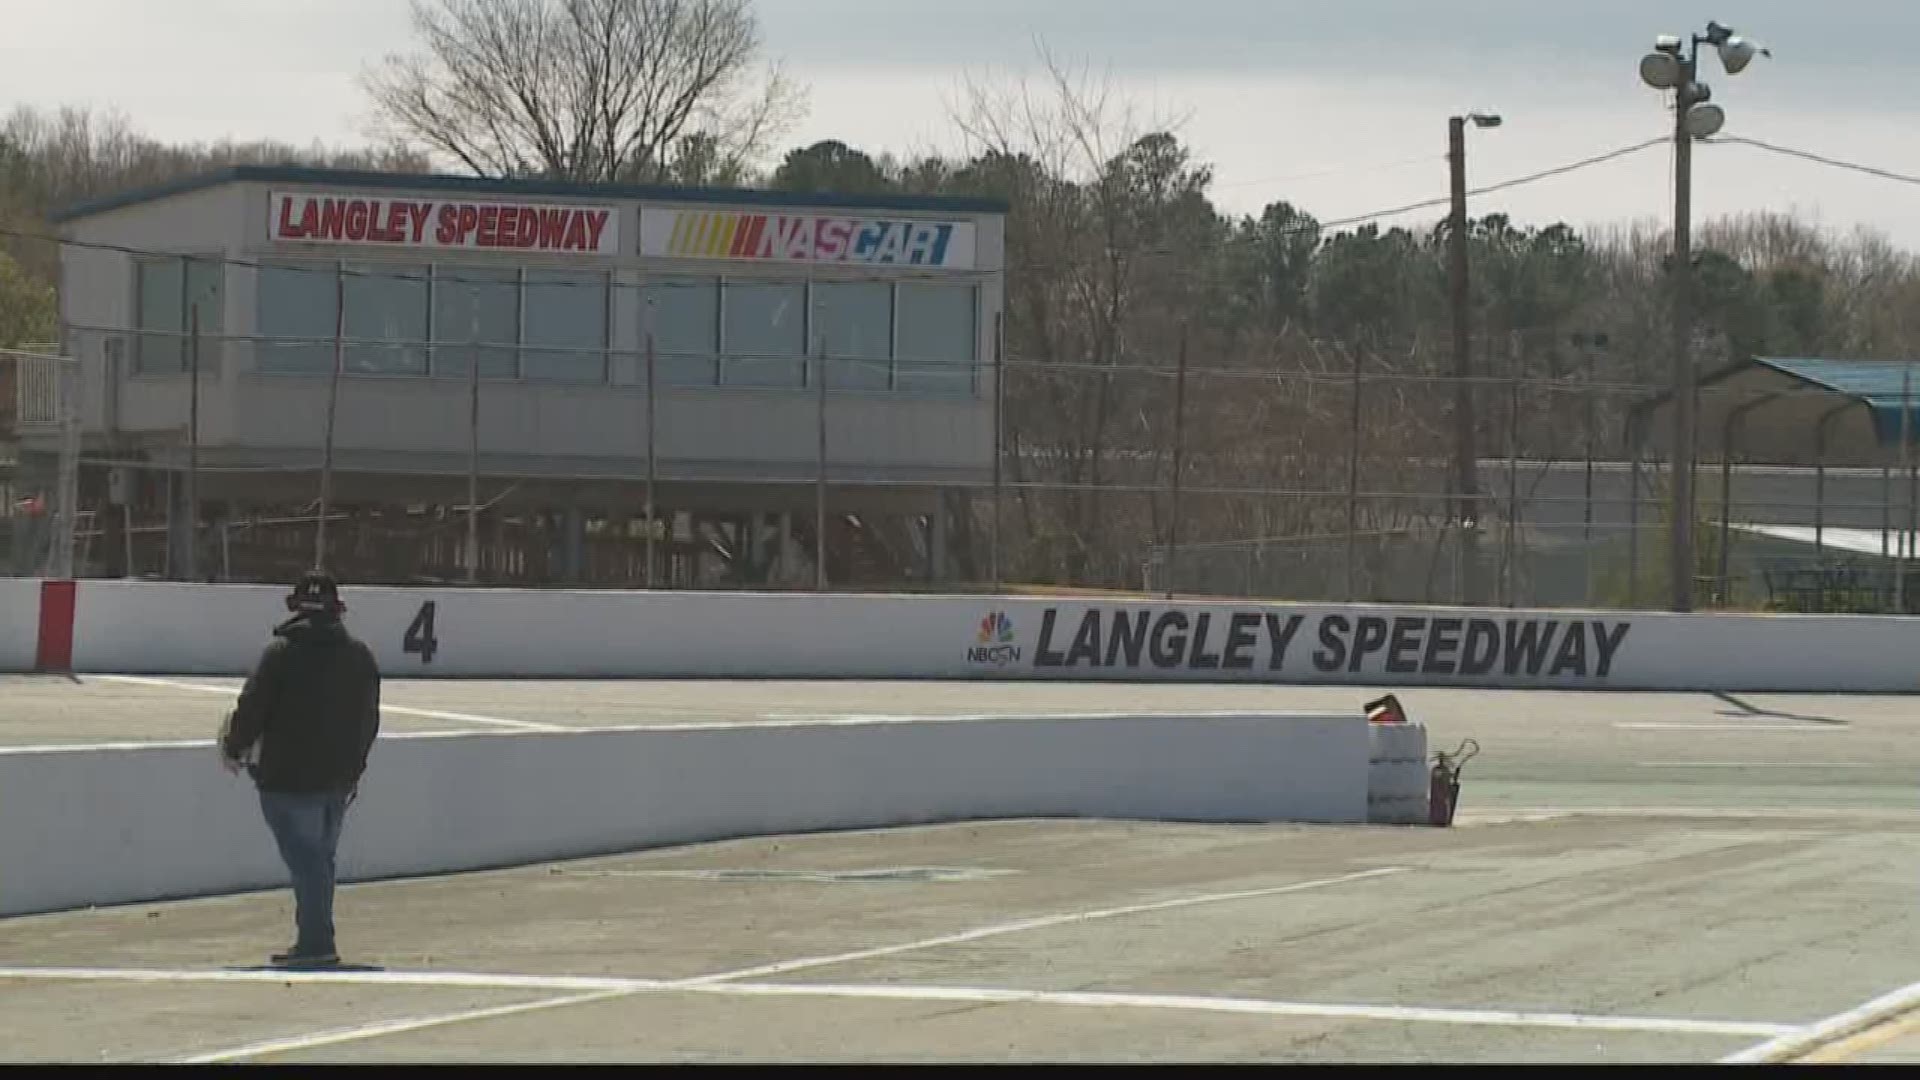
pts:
[333, 406]
[1179, 433]
[1634, 450]
[1513, 469]
[1594, 344]
[1353, 475]
[999, 437]
[1906, 464]
[193, 437]
[653, 415]
[820, 471]
[1730, 430]
[473, 433]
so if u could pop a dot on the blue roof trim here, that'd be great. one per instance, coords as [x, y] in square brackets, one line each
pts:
[1877, 384]
[289, 174]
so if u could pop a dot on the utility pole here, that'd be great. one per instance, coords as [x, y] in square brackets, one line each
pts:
[1674, 64]
[1466, 481]
[1680, 553]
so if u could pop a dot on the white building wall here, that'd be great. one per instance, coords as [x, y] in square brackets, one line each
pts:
[97, 307]
[706, 431]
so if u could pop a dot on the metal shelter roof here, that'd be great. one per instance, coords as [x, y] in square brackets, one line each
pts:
[297, 174]
[1799, 410]
[1884, 387]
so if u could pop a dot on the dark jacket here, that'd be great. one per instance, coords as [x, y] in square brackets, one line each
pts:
[313, 704]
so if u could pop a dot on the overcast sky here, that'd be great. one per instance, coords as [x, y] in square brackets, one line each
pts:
[1339, 106]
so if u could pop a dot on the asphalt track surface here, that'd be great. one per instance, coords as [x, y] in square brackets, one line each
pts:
[1633, 877]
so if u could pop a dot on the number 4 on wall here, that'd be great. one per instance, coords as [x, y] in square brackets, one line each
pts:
[419, 637]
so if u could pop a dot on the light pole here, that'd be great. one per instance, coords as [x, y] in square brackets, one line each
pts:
[1673, 65]
[1466, 484]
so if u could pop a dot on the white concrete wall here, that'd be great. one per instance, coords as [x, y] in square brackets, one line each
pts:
[108, 826]
[1397, 774]
[19, 623]
[177, 628]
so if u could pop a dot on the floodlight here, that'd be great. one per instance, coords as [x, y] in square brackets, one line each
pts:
[1705, 119]
[1660, 70]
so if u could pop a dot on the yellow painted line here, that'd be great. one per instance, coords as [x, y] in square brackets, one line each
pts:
[1888, 1008]
[1874, 1037]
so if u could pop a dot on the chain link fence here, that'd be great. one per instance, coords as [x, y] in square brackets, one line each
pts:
[1334, 475]
[40, 509]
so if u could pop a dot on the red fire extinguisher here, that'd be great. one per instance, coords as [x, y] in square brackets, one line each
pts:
[1443, 783]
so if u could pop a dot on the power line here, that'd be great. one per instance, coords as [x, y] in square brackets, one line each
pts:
[1808, 155]
[311, 263]
[1424, 204]
[1344, 170]
[1571, 166]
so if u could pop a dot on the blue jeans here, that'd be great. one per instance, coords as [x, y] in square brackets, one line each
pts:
[306, 826]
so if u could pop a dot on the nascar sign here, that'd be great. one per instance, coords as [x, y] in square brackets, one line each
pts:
[806, 238]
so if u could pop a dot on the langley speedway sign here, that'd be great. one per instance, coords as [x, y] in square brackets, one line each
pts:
[1327, 645]
[336, 218]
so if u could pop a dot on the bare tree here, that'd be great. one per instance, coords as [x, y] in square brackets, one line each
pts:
[590, 90]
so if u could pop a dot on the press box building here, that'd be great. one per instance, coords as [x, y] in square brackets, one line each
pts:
[561, 293]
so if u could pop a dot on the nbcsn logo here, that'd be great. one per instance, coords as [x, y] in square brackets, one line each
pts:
[993, 642]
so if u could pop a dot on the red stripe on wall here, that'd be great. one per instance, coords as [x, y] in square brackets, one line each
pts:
[747, 240]
[55, 651]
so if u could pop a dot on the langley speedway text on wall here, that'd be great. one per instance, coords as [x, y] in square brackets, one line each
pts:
[1177, 639]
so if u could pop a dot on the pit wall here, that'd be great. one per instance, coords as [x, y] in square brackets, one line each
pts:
[113, 825]
[148, 627]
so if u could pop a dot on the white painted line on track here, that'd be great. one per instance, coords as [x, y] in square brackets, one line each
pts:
[402, 710]
[1813, 1036]
[1755, 727]
[713, 980]
[585, 989]
[389, 1027]
[1030, 714]
[68, 748]
[1044, 922]
[459, 980]
[1759, 764]
[1788, 813]
[1260, 1007]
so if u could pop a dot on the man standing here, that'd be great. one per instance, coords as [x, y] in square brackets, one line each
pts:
[311, 710]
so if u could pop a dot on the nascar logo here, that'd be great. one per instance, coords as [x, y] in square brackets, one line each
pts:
[727, 234]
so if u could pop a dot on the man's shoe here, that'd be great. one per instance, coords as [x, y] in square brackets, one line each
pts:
[296, 959]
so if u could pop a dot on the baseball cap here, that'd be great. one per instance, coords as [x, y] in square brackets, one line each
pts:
[316, 591]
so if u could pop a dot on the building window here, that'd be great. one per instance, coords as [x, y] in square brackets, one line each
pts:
[566, 327]
[386, 303]
[162, 307]
[295, 301]
[685, 315]
[476, 310]
[764, 333]
[937, 343]
[853, 323]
